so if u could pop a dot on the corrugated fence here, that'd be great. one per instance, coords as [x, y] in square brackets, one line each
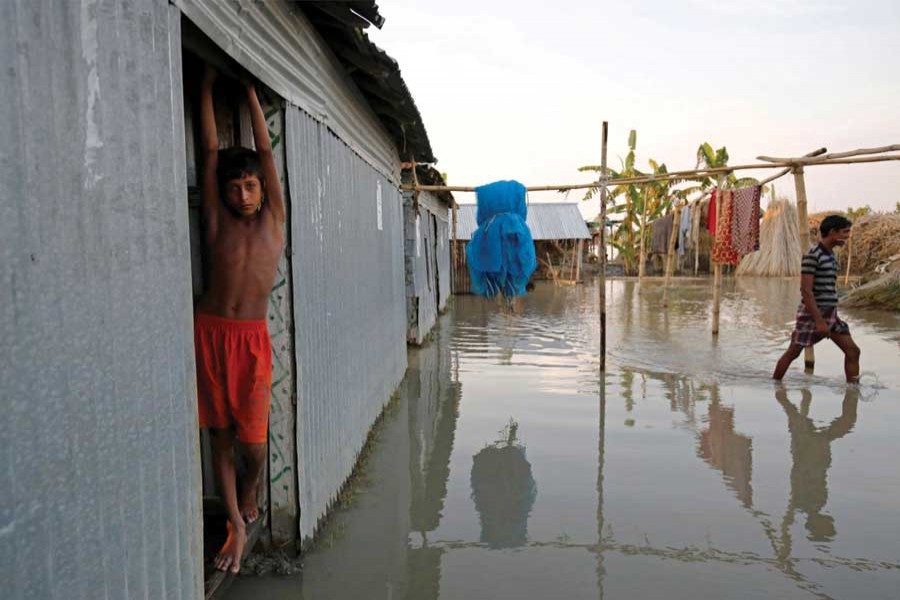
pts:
[100, 480]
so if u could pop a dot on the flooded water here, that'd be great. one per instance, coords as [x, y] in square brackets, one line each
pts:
[509, 470]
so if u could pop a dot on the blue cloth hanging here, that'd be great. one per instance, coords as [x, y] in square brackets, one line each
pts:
[500, 254]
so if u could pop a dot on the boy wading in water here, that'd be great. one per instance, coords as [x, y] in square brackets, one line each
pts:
[243, 215]
[817, 316]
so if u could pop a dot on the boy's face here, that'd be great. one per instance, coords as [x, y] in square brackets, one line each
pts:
[839, 237]
[244, 195]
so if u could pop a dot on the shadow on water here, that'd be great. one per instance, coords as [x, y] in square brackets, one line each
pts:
[684, 472]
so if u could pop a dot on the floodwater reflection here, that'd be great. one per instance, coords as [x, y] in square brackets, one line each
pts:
[811, 456]
[504, 490]
[684, 472]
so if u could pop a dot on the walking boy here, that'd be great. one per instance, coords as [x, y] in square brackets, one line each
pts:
[817, 316]
[243, 215]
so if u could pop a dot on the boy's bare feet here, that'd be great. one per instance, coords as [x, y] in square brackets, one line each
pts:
[248, 507]
[229, 557]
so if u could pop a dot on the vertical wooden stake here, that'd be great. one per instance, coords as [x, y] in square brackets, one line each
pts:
[603, 177]
[809, 355]
[849, 257]
[670, 255]
[454, 249]
[643, 256]
[696, 244]
[580, 250]
[717, 272]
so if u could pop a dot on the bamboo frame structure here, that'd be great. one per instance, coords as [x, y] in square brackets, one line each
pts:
[822, 156]
[817, 152]
[674, 175]
[787, 165]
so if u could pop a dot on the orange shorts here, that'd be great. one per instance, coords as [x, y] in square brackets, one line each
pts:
[234, 375]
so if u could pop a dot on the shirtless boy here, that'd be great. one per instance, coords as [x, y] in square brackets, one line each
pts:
[817, 316]
[243, 216]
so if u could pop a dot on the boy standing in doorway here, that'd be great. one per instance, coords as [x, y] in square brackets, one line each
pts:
[243, 216]
[817, 316]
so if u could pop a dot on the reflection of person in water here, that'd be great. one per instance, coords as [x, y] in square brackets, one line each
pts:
[811, 453]
[728, 451]
[504, 490]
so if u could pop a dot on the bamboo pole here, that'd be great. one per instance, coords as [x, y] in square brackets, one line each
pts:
[689, 174]
[454, 246]
[580, 250]
[809, 354]
[602, 294]
[643, 253]
[670, 256]
[849, 258]
[784, 172]
[717, 272]
[822, 156]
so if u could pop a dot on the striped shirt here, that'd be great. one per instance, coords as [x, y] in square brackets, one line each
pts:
[821, 264]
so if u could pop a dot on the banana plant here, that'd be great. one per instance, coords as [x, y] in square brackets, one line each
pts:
[712, 159]
[629, 201]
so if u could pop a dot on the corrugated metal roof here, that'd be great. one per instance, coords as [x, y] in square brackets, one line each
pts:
[547, 221]
[374, 71]
[277, 43]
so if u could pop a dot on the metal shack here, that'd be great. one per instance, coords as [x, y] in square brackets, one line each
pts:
[103, 473]
[427, 234]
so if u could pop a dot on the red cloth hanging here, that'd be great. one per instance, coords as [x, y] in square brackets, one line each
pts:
[711, 214]
[724, 251]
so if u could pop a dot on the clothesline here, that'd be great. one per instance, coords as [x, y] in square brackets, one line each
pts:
[684, 175]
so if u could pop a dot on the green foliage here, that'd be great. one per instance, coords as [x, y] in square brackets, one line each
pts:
[629, 200]
[855, 213]
[897, 208]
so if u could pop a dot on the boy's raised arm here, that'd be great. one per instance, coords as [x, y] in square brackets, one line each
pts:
[274, 198]
[209, 142]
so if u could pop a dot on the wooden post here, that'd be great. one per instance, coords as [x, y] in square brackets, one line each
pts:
[454, 250]
[849, 257]
[643, 255]
[580, 250]
[696, 245]
[602, 298]
[670, 256]
[717, 271]
[809, 355]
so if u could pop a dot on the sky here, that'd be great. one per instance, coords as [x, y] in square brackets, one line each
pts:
[518, 90]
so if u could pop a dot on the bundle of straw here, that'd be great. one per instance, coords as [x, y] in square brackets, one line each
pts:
[779, 244]
[874, 239]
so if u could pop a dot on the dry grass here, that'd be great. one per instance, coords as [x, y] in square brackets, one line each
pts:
[875, 238]
[779, 244]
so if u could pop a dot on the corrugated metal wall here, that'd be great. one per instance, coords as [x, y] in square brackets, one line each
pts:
[443, 258]
[277, 43]
[427, 263]
[99, 430]
[349, 305]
